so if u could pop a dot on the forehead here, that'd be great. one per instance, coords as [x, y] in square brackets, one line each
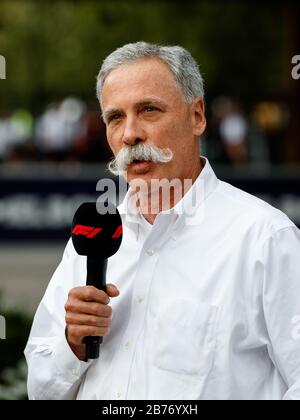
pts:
[141, 78]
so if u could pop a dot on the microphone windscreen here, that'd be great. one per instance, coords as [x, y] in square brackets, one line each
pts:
[97, 235]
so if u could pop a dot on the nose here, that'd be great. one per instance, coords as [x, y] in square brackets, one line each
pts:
[133, 132]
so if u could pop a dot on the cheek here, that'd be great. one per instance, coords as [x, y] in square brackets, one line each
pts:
[173, 135]
[113, 142]
[110, 142]
[163, 135]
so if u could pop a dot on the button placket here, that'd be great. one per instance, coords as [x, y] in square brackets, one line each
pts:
[141, 289]
[140, 299]
[150, 252]
[74, 372]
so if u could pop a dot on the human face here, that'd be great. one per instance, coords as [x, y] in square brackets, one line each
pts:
[141, 102]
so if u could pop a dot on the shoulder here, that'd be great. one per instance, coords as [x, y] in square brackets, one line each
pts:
[251, 210]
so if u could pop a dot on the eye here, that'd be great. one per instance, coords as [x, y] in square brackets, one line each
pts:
[114, 117]
[150, 108]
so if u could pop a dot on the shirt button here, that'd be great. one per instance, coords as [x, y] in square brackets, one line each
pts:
[74, 372]
[150, 252]
[140, 299]
[127, 345]
[119, 394]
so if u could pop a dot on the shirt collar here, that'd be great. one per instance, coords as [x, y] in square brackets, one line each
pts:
[185, 211]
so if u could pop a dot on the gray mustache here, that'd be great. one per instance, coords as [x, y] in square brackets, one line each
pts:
[141, 151]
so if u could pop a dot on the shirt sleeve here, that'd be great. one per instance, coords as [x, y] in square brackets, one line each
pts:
[281, 300]
[54, 372]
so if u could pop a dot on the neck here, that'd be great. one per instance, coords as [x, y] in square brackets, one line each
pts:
[168, 195]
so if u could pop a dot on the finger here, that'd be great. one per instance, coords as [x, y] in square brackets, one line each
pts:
[88, 308]
[88, 320]
[89, 294]
[112, 290]
[76, 333]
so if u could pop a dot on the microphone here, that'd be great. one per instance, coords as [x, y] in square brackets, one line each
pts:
[97, 236]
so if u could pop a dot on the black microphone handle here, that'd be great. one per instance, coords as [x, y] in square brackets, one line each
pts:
[96, 276]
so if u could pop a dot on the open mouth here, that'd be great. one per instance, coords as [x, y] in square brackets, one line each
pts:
[140, 166]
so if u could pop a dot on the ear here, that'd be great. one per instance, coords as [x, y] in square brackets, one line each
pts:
[198, 116]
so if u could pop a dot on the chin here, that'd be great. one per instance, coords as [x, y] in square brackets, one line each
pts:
[139, 180]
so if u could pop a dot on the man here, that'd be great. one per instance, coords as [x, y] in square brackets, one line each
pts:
[204, 296]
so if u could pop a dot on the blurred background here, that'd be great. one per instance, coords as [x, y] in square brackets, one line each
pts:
[53, 147]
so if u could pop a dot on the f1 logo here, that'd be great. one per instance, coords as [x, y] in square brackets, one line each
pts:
[87, 231]
[118, 232]
[91, 232]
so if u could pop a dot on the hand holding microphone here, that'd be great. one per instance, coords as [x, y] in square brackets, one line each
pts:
[88, 315]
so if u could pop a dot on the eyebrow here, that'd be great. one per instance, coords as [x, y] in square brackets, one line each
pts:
[144, 102]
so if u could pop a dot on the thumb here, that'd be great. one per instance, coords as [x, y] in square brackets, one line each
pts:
[111, 290]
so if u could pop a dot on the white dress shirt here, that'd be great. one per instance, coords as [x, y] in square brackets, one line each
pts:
[209, 307]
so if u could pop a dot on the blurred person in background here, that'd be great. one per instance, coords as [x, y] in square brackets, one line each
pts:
[91, 144]
[272, 118]
[5, 136]
[59, 127]
[203, 293]
[229, 131]
[16, 131]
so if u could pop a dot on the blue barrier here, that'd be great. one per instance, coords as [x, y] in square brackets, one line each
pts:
[42, 209]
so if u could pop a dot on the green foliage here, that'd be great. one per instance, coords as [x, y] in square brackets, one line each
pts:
[14, 380]
[12, 361]
[55, 48]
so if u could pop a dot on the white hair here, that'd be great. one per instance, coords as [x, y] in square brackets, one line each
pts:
[140, 151]
[181, 63]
